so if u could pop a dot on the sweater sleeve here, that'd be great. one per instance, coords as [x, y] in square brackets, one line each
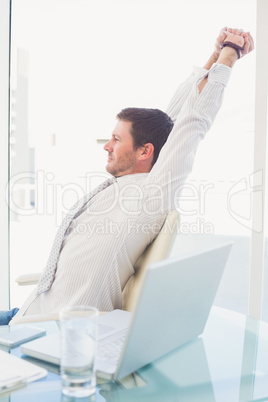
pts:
[183, 91]
[196, 115]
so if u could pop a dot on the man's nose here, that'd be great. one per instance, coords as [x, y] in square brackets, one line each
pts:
[107, 147]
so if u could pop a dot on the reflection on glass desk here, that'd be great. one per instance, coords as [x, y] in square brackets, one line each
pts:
[228, 363]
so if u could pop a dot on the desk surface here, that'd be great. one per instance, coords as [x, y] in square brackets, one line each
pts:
[229, 362]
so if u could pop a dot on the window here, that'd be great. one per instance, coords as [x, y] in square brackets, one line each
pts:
[73, 67]
[4, 164]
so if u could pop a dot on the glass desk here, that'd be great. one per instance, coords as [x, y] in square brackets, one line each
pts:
[228, 363]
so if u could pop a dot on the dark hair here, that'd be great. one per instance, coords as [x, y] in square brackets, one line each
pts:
[148, 126]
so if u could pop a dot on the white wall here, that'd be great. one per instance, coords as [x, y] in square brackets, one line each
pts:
[233, 289]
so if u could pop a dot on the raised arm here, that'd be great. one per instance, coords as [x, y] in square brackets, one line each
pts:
[182, 93]
[229, 55]
[195, 119]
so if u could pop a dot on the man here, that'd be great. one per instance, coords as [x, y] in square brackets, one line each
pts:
[93, 257]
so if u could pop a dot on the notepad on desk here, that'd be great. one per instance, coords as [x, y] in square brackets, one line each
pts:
[16, 372]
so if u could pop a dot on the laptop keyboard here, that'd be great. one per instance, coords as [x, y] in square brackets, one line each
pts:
[110, 350]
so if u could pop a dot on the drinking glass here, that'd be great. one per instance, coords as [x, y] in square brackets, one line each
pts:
[78, 327]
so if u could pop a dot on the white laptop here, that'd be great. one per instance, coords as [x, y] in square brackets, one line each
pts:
[174, 303]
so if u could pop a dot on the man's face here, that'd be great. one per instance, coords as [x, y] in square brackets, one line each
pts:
[122, 158]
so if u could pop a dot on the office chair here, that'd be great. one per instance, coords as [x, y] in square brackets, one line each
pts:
[158, 250]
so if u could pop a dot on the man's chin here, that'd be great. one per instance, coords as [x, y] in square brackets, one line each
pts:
[110, 170]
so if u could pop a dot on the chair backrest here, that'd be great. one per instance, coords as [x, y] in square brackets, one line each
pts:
[158, 250]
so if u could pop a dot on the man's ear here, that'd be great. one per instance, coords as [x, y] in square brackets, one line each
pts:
[146, 151]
